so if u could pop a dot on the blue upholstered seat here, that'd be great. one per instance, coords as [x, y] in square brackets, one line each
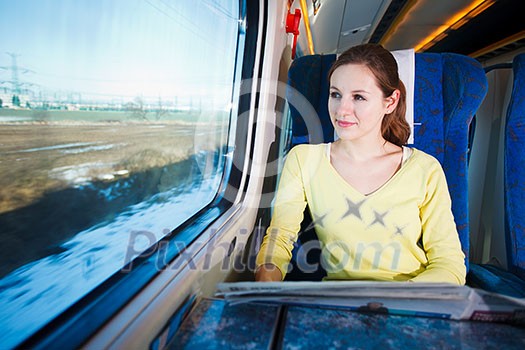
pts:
[449, 88]
[492, 278]
[514, 171]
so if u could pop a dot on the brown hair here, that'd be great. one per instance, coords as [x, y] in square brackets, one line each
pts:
[383, 66]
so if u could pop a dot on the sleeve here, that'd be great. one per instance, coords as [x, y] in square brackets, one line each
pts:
[446, 261]
[289, 205]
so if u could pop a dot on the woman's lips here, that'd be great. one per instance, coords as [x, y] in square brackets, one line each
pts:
[345, 124]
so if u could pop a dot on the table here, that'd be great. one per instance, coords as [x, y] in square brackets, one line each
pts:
[216, 324]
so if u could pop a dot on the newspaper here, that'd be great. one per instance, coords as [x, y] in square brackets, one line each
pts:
[414, 299]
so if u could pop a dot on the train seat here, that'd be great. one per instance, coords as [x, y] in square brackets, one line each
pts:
[486, 276]
[514, 170]
[448, 89]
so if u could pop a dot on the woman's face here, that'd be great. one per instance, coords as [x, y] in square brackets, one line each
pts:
[356, 104]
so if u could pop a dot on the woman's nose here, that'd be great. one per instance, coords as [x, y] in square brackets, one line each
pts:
[345, 107]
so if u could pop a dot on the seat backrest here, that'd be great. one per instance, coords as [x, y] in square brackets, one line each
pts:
[514, 171]
[448, 89]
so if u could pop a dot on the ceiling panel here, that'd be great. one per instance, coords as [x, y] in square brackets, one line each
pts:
[327, 25]
[339, 24]
[423, 18]
[360, 20]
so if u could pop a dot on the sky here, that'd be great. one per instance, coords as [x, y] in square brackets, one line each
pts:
[120, 48]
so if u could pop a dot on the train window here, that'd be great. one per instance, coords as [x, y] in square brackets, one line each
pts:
[114, 129]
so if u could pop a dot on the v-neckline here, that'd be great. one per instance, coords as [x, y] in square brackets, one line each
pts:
[327, 156]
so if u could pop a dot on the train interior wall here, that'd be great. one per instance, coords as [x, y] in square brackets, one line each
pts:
[486, 193]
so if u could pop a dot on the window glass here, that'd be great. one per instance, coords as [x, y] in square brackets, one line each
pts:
[114, 128]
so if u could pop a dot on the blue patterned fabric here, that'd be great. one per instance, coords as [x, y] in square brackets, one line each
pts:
[495, 279]
[428, 105]
[514, 171]
[309, 76]
[449, 88]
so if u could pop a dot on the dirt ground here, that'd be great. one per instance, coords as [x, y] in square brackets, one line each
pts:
[36, 158]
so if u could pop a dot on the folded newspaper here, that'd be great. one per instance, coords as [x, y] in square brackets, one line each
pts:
[414, 299]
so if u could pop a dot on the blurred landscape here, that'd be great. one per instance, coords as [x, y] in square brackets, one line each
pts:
[59, 177]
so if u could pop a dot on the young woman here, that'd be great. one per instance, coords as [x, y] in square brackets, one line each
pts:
[381, 210]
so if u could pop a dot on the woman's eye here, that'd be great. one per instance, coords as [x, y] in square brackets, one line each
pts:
[359, 98]
[334, 94]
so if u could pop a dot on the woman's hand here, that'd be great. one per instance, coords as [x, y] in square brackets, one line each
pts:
[268, 273]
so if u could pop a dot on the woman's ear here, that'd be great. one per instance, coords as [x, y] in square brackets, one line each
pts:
[392, 100]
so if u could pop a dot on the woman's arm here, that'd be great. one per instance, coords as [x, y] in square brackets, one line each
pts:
[268, 273]
[446, 261]
[290, 201]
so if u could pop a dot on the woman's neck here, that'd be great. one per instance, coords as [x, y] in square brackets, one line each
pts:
[361, 150]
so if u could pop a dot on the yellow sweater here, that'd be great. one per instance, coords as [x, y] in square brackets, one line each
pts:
[403, 231]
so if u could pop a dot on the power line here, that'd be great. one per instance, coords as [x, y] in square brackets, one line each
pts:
[188, 24]
[217, 8]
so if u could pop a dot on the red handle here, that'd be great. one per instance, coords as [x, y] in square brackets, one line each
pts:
[292, 26]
